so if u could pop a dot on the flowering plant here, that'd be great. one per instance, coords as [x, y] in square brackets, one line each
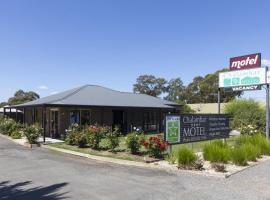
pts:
[155, 146]
[94, 134]
[248, 130]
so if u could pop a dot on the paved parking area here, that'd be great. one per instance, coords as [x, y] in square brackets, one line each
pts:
[44, 174]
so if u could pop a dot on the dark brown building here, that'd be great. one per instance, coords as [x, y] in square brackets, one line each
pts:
[91, 104]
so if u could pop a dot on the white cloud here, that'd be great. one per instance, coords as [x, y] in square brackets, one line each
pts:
[43, 87]
[53, 93]
[266, 62]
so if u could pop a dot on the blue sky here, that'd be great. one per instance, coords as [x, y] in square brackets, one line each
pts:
[49, 46]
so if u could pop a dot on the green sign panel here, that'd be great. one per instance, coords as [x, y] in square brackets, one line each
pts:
[247, 77]
[173, 129]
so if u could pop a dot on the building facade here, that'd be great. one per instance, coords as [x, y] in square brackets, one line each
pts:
[90, 104]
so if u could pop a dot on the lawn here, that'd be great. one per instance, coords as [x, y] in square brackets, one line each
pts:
[121, 152]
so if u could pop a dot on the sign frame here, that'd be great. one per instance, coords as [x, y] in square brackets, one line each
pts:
[255, 57]
[181, 141]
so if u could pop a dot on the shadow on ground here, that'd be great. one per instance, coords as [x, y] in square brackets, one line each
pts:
[16, 191]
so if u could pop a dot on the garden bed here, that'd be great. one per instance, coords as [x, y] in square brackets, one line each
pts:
[208, 170]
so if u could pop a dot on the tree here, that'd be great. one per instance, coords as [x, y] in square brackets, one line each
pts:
[22, 97]
[2, 104]
[175, 90]
[205, 90]
[149, 84]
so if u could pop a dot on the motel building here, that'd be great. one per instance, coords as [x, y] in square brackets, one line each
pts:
[92, 104]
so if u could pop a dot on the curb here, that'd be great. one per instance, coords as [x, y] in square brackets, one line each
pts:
[101, 158]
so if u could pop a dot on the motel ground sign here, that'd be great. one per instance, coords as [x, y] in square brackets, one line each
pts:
[186, 128]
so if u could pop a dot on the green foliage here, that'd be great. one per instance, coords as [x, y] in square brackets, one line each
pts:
[8, 126]
[94, 134]
[248, 130]
[204, 90]
[258, 140]
[216, 152]
[186, 109]
[246, 113]
[16, 134]
[239, 155]
[185, 157]
[149, 84]
[113, 138]
[22, 97]
[262, 143]
[81, 140]
[155, 146]
[175, 90]
[171, 158]
[253, 152]
[133, 141]
[71, 138]
[71, 134]
[32, 133]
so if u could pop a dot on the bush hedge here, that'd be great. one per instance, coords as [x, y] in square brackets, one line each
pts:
[133, 141]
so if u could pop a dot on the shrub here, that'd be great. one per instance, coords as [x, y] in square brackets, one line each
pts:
[32, 133]
[16, 134]
[133, 142]
[248, 130]
[246, 112]
[155, 146]
[71, 138]
[239, 155]
[216, 152]
[80, 139]
[8, 125]
[94, 135]
[113, 138]
[185, 157]
[71, 134]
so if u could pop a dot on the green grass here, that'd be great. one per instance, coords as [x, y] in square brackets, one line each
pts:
[216, 152]
[118, 155]
[185, 157]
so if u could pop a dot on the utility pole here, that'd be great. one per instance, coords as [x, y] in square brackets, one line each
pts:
[267, 111]
[218, 100]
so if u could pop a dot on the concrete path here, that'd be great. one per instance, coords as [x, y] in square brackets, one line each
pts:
[44, 174]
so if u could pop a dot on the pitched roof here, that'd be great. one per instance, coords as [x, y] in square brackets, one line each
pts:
[93, 95]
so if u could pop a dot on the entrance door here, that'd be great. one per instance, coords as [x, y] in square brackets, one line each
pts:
[118, 119]
[54, 124]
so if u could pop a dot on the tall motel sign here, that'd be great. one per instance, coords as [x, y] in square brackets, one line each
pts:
[246, 73]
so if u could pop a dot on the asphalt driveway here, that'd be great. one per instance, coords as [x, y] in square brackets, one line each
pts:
[44, 174]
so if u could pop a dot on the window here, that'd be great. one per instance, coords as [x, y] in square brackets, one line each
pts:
[86, 117]
[150, 121]
[74, 117]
